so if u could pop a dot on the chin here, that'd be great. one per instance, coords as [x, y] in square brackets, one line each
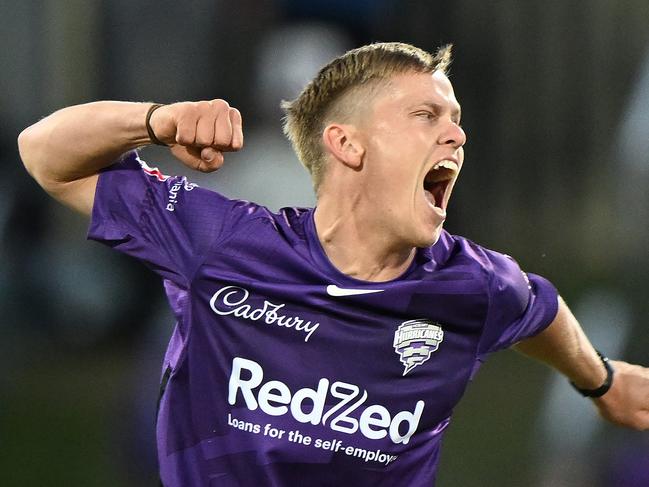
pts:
[429, 238]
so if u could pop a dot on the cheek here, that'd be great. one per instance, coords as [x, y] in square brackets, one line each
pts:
[382, 147]
[391, 165]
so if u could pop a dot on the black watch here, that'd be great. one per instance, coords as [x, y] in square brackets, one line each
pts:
[603, 389]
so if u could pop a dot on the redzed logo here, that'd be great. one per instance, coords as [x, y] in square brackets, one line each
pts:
[276, 399]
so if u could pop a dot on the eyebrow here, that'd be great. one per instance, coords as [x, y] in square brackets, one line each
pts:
[456, 112]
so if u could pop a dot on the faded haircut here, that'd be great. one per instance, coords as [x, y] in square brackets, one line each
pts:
[348, 77]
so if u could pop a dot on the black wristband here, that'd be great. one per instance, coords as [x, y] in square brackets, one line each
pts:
[603, 389]
[147, 122]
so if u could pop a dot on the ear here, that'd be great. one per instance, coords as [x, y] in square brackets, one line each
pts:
[341, 141]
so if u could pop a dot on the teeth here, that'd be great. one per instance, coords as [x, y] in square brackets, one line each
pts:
[442, 171]
[445, 164]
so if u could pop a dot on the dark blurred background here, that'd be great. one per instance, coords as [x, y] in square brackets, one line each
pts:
[555, 96]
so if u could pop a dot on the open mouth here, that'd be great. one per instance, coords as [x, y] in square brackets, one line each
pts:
[437, 182]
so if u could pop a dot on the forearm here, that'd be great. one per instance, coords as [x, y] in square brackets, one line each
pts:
[76, 142]
[65, 151]
[565, 347]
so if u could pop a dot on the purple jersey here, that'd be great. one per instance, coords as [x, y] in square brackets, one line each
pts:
[283, 371]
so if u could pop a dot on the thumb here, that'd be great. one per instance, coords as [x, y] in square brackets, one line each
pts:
[208, 154]
[193, 158]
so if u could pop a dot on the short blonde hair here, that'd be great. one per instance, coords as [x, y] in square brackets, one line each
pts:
[361, 68]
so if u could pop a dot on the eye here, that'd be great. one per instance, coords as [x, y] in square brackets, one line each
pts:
[428, 115]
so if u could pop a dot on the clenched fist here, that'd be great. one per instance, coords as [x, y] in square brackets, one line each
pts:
[198, 133]
[627, 402]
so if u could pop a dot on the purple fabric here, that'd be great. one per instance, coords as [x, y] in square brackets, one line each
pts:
[266, 354]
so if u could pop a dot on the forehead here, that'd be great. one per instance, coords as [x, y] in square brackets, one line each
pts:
[411, 88]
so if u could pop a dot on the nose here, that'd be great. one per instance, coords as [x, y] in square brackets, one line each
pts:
[453, 135]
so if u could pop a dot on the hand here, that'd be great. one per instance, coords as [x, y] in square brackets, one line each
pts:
[627, 401]
[198, 133]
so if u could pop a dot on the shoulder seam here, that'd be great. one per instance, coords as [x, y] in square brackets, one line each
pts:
[488, 280]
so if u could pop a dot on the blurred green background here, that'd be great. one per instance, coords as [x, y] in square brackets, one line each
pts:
[555, 99]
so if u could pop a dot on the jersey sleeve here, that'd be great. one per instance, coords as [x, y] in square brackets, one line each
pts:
[166, 222]
[521, 305]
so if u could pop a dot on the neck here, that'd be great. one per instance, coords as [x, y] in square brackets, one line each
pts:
[356, 243]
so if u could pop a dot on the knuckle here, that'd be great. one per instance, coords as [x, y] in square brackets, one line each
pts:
[184, 137]
[220, 105]
[235, 117]
[202, 106]
[182, 140]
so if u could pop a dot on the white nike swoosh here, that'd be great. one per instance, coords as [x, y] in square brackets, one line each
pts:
[333, 290]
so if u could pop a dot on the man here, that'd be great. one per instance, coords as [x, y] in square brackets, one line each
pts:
[326, 346]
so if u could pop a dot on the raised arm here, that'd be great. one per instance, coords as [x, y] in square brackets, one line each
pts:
[564, 346]
[65, 151]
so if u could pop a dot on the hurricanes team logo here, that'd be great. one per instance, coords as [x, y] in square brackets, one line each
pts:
[415, 341]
